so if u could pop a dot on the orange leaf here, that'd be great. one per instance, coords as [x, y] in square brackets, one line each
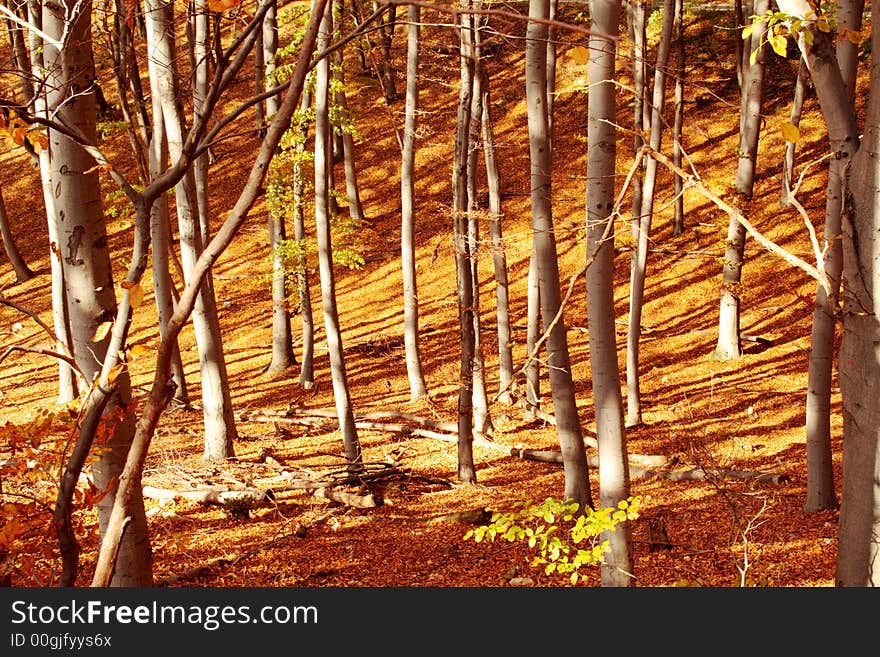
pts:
[136, 295]
[101, 332]
[221, 5]
[114, 373]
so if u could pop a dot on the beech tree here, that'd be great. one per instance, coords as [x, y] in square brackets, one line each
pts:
[821, 491]
[415, 375]
[641, 222]
[90, 292]
[463, 273]
[614, 484]
[19, 265]
[568, 428]
[219, 422]
[341, 393]
[729, 345]
[129, 494]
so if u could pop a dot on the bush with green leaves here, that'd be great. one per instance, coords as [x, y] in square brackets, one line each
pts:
[564, 538]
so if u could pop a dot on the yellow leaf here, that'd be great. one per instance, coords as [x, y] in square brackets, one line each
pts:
[790, 132]
[823, 26]
[136, 295]
[138, 350]
[854, 36]
[114, 373]
[579, 55]
[102, 331]
[779, 44]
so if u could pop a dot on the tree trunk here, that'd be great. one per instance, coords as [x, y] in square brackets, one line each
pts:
[636, 15]
[341, 394]
[641, 224]
[858, 556]
[729, 345]
[614, 481]
[407, 210]
[797, 106]
[19, 266]
[533, 334]
[160, 242]
[126, 69]
[20, 50]
[821, 492]
[466, 469]
[499, 258]
[91, 299]
[678, 121]
[131, 477]
[482, 419]
[307, 357]
[282, 337]
[219, 422]
[355, 208]
[67, 385]
[577, 481]
[383, 56]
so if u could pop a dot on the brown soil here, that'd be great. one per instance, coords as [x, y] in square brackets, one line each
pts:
[746, 414]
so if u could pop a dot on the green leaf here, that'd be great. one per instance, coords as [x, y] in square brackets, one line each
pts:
[747, 31]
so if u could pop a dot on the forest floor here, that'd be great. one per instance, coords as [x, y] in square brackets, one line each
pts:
[743, 415]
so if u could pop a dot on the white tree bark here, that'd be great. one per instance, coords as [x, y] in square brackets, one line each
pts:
[614, 480]
[338, 373]
[415, 376]
[90, 293]
[568, 429]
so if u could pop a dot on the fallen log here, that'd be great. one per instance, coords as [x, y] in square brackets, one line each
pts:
[210, 495]
[355, 500]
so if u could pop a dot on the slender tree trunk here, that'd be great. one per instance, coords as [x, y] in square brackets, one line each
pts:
[383, 63]
[467, 472]
[352, 192]
[821, 492]
[20, 50]
[614, 482]
[533, 334]
[307, 357]
[678, 121]
[344, 411]
[163, 285]
[729, 345]
[19, 266]
[131, 477]
[260, 83]
[797, 105]
[90, 291]
[641, 225]
[414, 372]
[499, 258]
[637, 11]
[67, 385]
[125, 66]
[282, 336]
[568, 429]
[742, 52]
[219, 422]
[482, 419]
